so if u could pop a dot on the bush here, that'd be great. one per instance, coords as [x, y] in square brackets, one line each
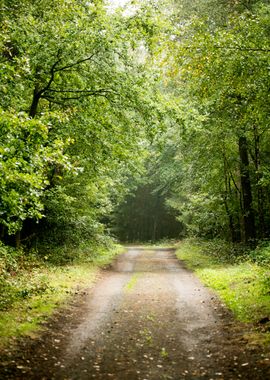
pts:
[17, 275]
[7, 294]
[223, 251]
[261, 254]
[9, 259]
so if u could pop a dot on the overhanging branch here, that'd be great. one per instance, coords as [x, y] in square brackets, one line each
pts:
[90, 92]
[78, 94]
[75, 63]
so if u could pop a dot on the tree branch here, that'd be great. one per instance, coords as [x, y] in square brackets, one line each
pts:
[52, 72]
[82, 94]
[75, 63]
[91, 92]
[52, 100]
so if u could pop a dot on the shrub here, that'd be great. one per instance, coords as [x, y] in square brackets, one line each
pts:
[261, 254]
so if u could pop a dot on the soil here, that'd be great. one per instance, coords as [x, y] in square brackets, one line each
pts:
[146, 318]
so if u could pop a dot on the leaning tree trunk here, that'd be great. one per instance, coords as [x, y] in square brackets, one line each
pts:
[248, 213]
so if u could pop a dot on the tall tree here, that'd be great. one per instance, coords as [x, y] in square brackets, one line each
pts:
[219, 78]
[72, 78]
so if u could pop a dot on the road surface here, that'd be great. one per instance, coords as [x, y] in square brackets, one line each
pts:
[146, 318]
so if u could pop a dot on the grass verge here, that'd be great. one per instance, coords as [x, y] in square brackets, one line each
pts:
[32, 294]
[241, 283]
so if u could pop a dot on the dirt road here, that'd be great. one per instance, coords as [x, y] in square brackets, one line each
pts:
[147, 318]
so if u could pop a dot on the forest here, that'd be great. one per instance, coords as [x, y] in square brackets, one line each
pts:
[97, 103]
[138, 123]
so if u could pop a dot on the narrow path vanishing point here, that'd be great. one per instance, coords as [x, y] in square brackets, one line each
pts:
[147, 318]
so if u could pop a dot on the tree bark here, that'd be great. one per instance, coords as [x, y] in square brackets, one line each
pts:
[2, 232]
[35, 101]
[260, 195]
[248, 213]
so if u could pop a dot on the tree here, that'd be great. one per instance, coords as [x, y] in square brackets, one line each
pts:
[26, 157]
[79, 80]
[219, 78]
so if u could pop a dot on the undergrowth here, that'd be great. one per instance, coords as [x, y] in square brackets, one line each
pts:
[33, 285]
[240, 276]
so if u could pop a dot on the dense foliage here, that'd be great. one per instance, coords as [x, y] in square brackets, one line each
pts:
[168, 101]
[217, 71]
[77, 102]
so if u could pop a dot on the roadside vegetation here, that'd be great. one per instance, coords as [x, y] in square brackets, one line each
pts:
[31, 288]
[241, 278]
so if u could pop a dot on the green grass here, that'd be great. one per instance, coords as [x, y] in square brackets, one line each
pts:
[25, 315]
[132, 282]
[36, 292]
[242, 284]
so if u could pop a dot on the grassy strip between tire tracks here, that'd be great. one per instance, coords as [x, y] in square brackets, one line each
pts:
[46, 288]
[242, 284]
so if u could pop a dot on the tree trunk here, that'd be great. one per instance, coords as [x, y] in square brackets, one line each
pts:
[232, 230]
[260, 195]
[2, 232]
[248, 214]
[35, 101]
[228, 198]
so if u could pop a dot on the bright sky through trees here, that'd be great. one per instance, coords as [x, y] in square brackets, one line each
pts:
[113, 4]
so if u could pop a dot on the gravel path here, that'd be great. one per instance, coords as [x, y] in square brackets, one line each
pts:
[147, 318]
